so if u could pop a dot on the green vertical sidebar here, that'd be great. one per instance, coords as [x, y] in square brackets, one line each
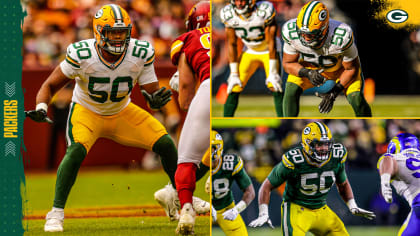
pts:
[12, 177]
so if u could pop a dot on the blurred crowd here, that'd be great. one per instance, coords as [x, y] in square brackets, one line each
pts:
[365, 140]
[51, 25]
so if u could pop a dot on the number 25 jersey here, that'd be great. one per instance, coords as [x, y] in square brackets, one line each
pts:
[102, 87]
[309, 182]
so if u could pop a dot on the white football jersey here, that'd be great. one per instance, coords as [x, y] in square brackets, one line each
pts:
[407, 180]
[339, 46]
[251, 30]
[102, 87]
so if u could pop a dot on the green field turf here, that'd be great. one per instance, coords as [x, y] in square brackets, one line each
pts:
[353, 231]
[102, 192]
[383, 106]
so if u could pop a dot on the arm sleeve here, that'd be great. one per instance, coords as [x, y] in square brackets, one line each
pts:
[279, 174]
[242, 179]
[350, 53]
[341, 174]
[147, 76]
[70, 66]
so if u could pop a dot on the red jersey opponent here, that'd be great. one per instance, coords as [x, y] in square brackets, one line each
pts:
[196, 46]
[191, 53]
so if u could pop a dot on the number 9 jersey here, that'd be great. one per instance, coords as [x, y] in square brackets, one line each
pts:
[229, 169]
[102, 87]
[308, 182]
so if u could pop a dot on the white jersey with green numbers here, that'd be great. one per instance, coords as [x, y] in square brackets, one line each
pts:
[251, 30]
[339, 45]
[102, 87]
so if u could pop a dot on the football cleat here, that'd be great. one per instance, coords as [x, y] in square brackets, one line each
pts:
[55, 219]
[200, 206]
[167, 197]
[186, 221]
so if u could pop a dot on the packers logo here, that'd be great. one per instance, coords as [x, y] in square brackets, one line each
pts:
[397, 16]
[99, 14]
[322, 15]
[307, 130]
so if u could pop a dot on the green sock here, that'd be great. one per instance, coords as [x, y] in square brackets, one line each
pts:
[67, 173]
[359, 104]
[231, 105]
[201, 171]
[278, 103]
[168, 153]
[291, 100]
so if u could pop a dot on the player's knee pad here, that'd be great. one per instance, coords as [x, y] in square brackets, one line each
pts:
[185, 176]
[76, 153]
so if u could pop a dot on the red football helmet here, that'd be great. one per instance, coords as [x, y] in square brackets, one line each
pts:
[199, 16]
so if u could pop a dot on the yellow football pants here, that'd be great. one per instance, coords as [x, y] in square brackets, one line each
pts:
[231, 228]
[132, 126]
[297, 220]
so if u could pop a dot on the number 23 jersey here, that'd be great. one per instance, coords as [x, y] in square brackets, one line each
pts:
[308, 182]
[230, 168]
[102, 87]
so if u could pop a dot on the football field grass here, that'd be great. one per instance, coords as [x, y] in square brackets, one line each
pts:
[106, 202]
[353, 231]
[383, 106]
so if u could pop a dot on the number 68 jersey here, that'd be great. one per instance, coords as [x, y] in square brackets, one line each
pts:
[229, 169]
[308, 182]
[406, 181]
[102, 87]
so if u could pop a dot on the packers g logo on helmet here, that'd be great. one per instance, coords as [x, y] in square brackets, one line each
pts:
[312, 24]
[249, 5]
[317, 141]
[108, 20]
[216, 145]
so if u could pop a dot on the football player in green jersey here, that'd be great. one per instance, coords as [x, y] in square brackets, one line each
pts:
[225, 170]
[309, 172]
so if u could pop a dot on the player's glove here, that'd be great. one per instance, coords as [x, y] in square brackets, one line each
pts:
[275, 81]
[231, 214]
[355, 210]
[313, 75]
[157, 99]
[39, 114]
[386, 187]
[328, 99]
[262, 217]
[174, 82]
[233, 80]
[213, 214]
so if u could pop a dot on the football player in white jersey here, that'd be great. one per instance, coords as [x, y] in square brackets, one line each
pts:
[105, 68]
[318, 49]
[399, 167]
[254, 24]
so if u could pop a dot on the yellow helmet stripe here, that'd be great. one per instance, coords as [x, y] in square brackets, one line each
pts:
[308, 12]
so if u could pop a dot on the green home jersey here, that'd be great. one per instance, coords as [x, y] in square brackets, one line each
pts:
[308, 182]
[230, 168]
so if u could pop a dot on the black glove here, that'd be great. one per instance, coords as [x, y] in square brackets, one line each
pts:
[313, 75]
[328, 98]
[38, 116]
[158, 99]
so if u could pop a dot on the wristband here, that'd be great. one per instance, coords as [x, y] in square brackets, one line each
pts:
[273, 66]
[41, 106]
[233, 67]
[351, 204]
[263, 209]
[241, 206]
[385, 178]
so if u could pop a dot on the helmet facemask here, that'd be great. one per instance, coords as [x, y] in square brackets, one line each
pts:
[246, 9]
[320, 150]
[114, 46]
[216, 146]
[314, 39]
